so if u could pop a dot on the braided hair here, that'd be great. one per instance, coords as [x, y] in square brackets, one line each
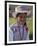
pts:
[26, 26]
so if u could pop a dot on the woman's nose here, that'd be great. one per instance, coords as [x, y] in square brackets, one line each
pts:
[21, 19]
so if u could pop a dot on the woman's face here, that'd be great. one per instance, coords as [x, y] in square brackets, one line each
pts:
[21, 18]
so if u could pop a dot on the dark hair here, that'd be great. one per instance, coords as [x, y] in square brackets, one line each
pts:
[26, 26]
[19, 14]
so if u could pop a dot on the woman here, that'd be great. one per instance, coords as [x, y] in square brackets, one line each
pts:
[19, 31]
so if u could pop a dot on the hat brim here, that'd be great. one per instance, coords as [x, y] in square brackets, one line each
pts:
[15, 13]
